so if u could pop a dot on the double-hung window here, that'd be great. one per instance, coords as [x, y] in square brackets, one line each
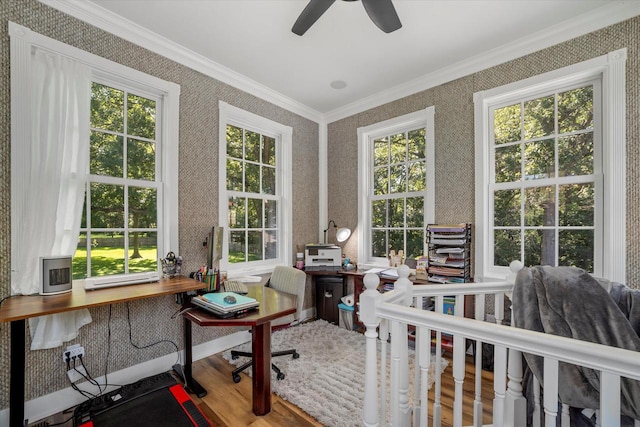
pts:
[119, 231]
[129, 175]
[547, 149]
[396, 185]
[255, 183]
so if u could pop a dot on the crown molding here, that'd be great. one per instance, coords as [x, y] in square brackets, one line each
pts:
[580, 25]
[108, 21]
[593, 20]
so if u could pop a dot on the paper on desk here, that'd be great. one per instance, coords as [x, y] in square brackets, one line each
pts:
[388, 272]
[248, 279]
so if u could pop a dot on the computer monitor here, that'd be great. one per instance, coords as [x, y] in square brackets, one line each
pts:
[214, 246]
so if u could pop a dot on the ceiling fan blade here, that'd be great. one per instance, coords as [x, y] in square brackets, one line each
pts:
[383, 14]
[310, 15]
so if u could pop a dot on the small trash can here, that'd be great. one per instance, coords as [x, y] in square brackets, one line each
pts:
[346, 316]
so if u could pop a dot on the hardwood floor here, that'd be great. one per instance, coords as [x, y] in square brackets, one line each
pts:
[229, 404]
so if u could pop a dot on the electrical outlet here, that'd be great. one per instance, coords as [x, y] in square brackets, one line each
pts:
[77, 374]
[71, 351]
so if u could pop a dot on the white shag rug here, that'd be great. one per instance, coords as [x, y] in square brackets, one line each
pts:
[327, 381]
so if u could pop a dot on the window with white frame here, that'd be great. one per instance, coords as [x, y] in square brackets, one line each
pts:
[129, 218]
[119, 229]
[546, 149]
[255, 182]
[396, 184]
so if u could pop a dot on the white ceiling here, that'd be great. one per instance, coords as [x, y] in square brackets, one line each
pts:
[250, 42]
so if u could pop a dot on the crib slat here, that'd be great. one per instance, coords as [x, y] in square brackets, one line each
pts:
[499, 384]
[394, 398]
[370, 418]
[423, 337]
[477, 401]
[499, 307]
[536, 402]
[367, 316]
[516, 409]
[508, 404]
[384, 351]
[417, 392]
[400, 410]
[609, 399]
[458, 378]
[459, 351]
[550, 391]
[565, 417]
[437, 406]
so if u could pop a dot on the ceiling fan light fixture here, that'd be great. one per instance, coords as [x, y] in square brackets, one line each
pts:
[381, 12]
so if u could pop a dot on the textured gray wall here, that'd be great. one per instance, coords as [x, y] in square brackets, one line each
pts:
[454, 133]
[198, 150]
[198, 196]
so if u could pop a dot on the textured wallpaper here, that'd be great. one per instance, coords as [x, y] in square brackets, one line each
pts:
[454, 133]
[150, 320]
[198, 198]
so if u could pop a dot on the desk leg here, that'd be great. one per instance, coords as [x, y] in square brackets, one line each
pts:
[261, 349]
[16, 392]
[358, 288]
[186, 372]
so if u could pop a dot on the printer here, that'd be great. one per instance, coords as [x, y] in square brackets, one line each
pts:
[322, 257]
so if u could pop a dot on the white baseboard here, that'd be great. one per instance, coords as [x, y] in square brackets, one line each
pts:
[60, 400]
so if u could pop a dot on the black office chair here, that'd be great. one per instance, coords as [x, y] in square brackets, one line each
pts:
[283, 279]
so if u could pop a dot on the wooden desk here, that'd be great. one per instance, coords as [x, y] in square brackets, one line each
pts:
[273, 304]
[358, 284]
[358, 287]
[17, 309]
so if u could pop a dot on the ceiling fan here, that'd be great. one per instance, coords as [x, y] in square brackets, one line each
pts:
[381, 12]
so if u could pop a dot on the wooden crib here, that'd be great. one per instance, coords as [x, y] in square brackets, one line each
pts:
[393, 314]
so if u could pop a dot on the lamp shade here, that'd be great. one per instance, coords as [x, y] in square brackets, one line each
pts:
[343, 234]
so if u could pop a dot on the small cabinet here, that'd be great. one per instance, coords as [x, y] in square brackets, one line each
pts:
[329, 291]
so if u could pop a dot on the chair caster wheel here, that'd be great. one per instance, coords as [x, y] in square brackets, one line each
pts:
[280, 376]
[296, 355]
[236, 379]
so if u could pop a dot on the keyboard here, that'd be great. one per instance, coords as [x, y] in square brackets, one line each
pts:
[235, 286]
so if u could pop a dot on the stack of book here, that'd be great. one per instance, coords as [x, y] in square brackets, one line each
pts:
[225, 304]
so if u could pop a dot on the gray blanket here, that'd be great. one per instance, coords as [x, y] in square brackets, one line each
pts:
[569, 302]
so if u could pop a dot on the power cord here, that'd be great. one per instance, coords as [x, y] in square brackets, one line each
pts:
[88, 376]
[142, 347]
[181, 311]
[102, 388]
[84, 393]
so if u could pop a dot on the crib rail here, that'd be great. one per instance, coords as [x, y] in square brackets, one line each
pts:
[390, 314]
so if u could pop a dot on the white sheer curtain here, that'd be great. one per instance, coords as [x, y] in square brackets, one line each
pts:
[55, 178]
